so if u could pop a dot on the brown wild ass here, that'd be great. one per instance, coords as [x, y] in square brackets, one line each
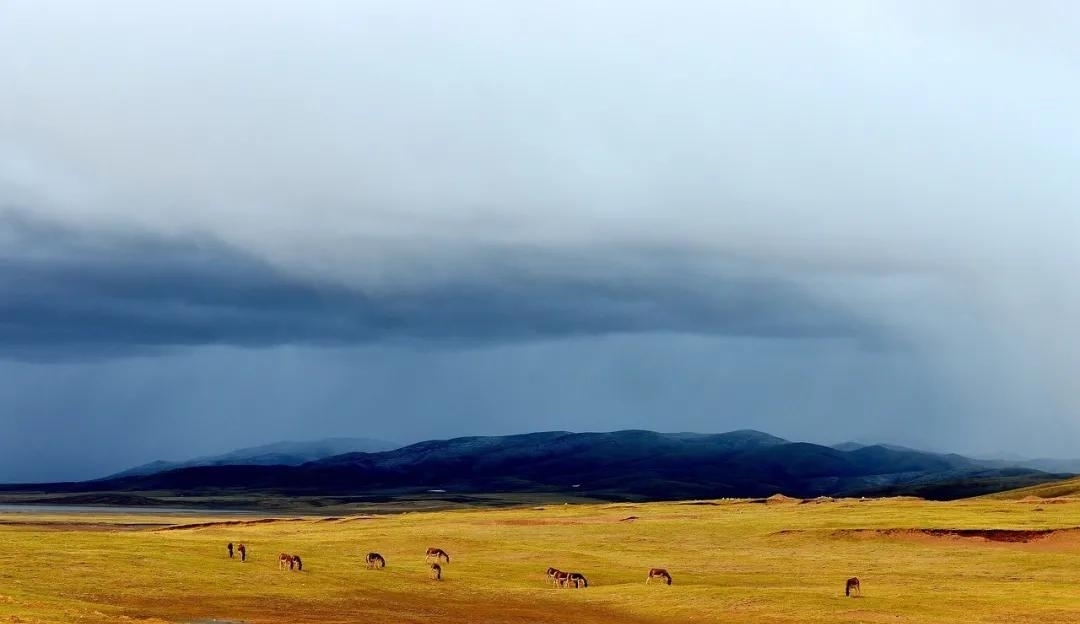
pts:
[438, 553]
[293, 561]
[375, 560]
[558, 577]
[659, 573]
[436, 572]
[578, 579]
[852, 585]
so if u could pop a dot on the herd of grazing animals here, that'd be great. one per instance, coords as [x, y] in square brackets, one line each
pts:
[558, 577]
[564, 579]
[290, 560]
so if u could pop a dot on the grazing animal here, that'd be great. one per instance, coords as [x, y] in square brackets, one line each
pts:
[852, 585]
[578, 579]
[436, 572]
[659, 573]
[559, 578]
[438, 553]
[243, 552]
[551, 573]
[293, 561]
[375, 560]
[230, 550]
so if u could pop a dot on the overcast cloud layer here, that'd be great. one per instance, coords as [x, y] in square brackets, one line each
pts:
[228, 225]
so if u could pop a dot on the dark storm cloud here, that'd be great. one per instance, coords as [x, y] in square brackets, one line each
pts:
[65, 292]
[437, 218]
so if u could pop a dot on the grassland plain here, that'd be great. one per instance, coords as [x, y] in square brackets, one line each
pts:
[731, 562]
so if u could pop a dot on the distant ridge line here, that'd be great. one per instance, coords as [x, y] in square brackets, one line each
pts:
[626, 465]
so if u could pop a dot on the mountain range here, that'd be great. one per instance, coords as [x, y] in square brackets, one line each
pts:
[621, 465]
[277, 454]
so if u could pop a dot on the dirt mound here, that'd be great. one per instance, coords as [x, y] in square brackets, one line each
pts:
[1021, 536]
[780, 499]
[819, 500]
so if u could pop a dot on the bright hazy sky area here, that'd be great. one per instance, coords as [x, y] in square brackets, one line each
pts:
[231, 223]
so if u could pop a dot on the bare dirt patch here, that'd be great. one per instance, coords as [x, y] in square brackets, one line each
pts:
[1016, 536]
[780, 499]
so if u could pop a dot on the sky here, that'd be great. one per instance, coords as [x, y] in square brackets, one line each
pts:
[231, 223]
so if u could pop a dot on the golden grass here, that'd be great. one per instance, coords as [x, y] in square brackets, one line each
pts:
[1066, 487]
[731, 562]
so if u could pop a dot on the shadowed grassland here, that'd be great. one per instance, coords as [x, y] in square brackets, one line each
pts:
[276, 503]
[731, 562]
